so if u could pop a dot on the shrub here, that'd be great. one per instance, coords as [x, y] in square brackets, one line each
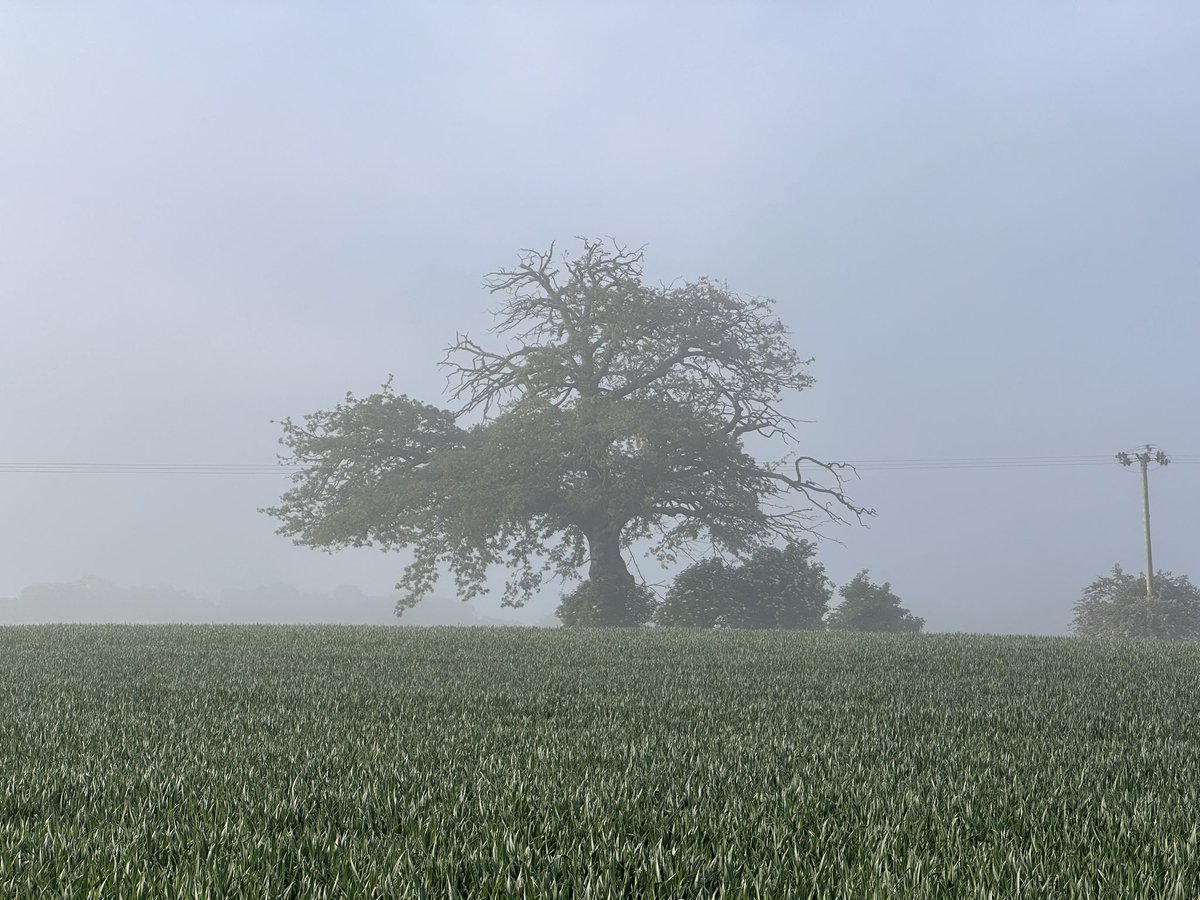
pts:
[1115, 605]
[872, 607]
[776, 588]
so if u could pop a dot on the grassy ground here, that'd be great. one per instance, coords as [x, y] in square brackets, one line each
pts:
[391, 762]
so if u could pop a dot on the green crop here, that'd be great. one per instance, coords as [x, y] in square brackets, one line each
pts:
[328, 762]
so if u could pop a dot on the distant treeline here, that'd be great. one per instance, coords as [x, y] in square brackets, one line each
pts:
[100, 601]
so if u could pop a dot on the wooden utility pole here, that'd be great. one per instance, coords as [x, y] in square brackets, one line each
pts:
[1144, 457]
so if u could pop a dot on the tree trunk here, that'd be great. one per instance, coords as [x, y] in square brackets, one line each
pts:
[611, 580]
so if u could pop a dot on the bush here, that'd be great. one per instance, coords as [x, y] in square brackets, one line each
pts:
[1116, 606]
[587, 605]
[775, 588]
[700, 596]
[872, 607]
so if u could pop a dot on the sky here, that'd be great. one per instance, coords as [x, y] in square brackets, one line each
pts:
[979, 220]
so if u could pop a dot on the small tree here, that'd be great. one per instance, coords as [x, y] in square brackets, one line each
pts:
[872, 607]
[775, 588]
[1116, 606]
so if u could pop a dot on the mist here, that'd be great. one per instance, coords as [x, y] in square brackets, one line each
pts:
[978, 221]
[95, 600]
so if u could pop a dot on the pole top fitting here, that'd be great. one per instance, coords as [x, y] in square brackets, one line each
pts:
[1144, 455]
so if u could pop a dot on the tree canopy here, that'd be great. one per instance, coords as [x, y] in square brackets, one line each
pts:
[605, 411]
[867, 606]
[1116, 606]
[776, 588]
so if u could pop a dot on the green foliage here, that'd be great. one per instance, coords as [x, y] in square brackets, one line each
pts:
[1116, 606]
[394, 762]
[615, 412]
[776, 588]
[587, 606]
[872, 607]
[702, 596]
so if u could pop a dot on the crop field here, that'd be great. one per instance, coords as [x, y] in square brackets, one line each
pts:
[184, 761]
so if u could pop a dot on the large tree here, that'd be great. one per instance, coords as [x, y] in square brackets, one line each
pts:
[606, 411]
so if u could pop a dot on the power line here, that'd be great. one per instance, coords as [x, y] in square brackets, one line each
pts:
[982, 462]
[864, 465]
[146, 468]
[994, 462]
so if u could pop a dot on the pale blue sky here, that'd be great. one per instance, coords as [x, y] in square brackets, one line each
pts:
[980, 219]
